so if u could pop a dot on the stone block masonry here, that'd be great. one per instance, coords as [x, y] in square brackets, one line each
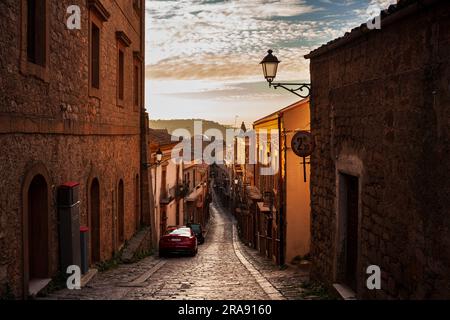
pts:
[56, 127]
[379, 112]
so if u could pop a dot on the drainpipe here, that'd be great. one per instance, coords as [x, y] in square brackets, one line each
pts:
[281, 182]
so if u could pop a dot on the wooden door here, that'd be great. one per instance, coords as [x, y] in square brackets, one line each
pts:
[352, 232]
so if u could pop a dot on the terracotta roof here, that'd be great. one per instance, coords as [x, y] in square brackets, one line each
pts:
[277, 113]
[159, 137]
[396, 11]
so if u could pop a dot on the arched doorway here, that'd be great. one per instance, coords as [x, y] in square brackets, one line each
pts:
[137, 204]
[121, 212]
[94, 213]
[37, 215]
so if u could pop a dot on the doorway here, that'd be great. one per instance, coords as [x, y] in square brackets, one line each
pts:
[94, 195]
[37, 215]
[349, 208]
[121, 213]
[163, 222]
[137, 204]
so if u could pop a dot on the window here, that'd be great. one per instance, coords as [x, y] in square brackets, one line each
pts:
[123, 42]
[34, 38]
[121, 81]
[95, 56]
[163, 183]
[97, 16]
[36, 32]
[136, 86]
[137, 6]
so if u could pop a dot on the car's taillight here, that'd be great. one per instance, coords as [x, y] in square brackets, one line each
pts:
[184, 239]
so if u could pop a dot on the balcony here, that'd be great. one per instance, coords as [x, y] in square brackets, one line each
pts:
[168, 196]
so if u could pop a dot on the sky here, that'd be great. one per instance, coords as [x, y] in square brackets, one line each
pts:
[202, 56]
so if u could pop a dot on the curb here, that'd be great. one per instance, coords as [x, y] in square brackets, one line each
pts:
[139, 281]
[267, 287]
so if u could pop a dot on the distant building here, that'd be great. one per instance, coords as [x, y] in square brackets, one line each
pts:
[380, 110]
[167, 183]
[196, 178]
[71, 111]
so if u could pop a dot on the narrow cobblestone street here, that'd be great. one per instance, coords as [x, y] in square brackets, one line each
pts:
[223, 269]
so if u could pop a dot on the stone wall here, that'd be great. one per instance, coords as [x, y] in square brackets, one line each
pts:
[380, 105]
[55, 123]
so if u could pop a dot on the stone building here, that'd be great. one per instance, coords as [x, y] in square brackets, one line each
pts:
[167, 183]
[380, 110]
[71, 111]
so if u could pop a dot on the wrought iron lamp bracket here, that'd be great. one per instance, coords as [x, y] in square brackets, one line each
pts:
[303, 90]
[151, 165]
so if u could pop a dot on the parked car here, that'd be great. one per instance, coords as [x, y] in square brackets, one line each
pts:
[179, 240]
[198, 230]
[170, 229]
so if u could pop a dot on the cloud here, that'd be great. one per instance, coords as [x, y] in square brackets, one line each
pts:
[190, 39]
[373, 8]
[228, 67]
[198, 42]
[217, 38]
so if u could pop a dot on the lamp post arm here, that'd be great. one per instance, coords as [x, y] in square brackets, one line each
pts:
[303, 90]
[151, 165]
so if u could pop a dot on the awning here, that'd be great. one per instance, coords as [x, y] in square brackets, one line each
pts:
[265, 209]
[253, 193]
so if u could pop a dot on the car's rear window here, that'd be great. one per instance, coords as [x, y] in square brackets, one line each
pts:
[196, 227]
[181, 232]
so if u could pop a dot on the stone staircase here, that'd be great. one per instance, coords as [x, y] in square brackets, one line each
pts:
[140, 244]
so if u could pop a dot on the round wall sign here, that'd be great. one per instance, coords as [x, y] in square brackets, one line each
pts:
[302, 144]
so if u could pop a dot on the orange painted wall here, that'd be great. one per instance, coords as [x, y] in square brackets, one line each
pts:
[297, 191]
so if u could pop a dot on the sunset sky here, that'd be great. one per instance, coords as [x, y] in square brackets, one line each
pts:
[203, 55]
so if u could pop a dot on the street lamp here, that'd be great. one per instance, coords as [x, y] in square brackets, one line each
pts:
[270, 67]
[159, 156]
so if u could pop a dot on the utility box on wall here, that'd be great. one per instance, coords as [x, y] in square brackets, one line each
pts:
[69, 224]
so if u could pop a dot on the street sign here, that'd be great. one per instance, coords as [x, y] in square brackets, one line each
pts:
[302, 144]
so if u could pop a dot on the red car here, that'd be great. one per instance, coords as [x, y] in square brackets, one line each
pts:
[179, 240]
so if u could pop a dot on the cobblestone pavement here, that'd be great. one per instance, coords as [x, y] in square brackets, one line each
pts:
[223, 269]
[287, 281]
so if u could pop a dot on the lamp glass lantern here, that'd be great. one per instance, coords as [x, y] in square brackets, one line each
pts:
[270, 66]
[159, 155]
[236, 181]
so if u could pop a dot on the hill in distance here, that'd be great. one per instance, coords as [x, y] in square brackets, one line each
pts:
[188, 124]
